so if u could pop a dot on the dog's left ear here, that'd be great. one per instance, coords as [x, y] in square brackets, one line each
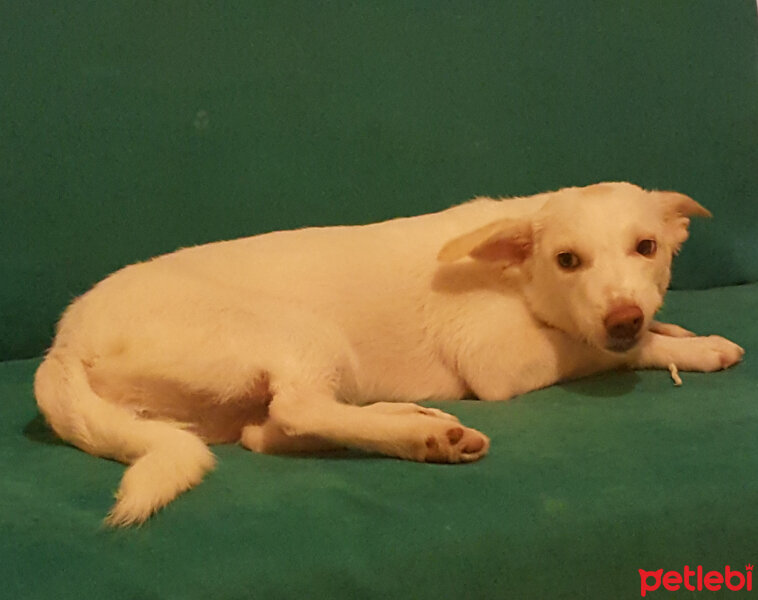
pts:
[506, 242]
[677, 210]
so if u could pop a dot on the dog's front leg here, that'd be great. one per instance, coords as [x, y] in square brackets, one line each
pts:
[498, 367]
[670, 329]
[699, 353]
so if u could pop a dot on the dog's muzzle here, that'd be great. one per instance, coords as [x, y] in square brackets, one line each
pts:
[622, 326]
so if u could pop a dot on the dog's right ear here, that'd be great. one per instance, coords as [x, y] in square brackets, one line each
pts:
[507, 242]
[678, 209]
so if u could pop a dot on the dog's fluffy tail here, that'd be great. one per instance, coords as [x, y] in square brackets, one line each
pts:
[165, 459]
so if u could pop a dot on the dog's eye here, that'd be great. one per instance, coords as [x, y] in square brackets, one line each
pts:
[568, 261]
[646, 247]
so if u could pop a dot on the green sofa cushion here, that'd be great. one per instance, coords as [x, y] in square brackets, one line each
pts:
[585, 484]
[129, 129]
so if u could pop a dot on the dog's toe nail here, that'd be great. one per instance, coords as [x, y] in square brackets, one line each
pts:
[454, 435]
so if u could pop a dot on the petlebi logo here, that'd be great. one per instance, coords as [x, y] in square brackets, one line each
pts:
[697, 580]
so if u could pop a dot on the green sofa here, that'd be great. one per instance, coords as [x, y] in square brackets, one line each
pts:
[131, 129]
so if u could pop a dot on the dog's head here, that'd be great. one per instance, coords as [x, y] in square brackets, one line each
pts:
[595, 261]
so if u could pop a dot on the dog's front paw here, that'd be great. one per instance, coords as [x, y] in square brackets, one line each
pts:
[713, 353]
[706, 354]
[703, 353]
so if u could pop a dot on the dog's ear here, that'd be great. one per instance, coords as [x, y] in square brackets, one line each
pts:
[508, 242]
[677, 210]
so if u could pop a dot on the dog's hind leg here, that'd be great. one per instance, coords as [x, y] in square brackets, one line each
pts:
[407, 408]
[302, 410]
[148, 387]
[270, 438]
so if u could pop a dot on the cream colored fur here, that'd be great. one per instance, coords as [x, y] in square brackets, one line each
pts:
[320, 338]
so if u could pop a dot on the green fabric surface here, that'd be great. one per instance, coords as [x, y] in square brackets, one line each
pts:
[586, 483]
[132, 128]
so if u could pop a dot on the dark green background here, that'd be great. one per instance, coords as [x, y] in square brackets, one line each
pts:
[129, 129]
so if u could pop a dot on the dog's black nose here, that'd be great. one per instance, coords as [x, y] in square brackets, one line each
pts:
[624, 322]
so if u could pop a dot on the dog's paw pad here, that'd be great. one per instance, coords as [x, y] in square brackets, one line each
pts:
[454, 435]
[456, 444]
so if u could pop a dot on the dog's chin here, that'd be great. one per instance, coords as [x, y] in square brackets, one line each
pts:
[620, 345]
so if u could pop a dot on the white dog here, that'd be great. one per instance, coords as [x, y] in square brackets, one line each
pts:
[277, 340]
